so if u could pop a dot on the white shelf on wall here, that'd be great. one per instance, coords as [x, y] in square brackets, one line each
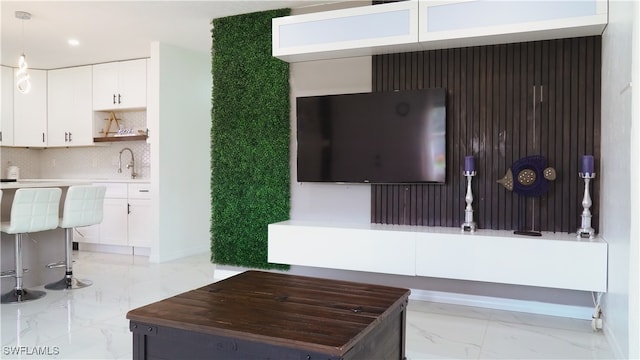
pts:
[461, 23]
[417, 25]
[554, 260]
[358, 31]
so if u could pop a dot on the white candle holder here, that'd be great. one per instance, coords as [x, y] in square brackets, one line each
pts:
[585, 229]
[468, 224]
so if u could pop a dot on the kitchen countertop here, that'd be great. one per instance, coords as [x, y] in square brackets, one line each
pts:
[92, 180]
[44, 183]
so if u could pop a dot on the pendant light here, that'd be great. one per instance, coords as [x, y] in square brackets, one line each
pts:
[23, 82]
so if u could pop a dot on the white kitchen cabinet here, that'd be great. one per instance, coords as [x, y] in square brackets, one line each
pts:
[120, 85]
[113, 229]
[127, 217]
[6, 112]
[70, 109]
[139, 224]
[139, 228]
[139, 215]
[30, 112]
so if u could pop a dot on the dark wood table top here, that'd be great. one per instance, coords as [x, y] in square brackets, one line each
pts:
[280, 309]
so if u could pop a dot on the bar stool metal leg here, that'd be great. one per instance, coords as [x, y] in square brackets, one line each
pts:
[20, 294]
[69, 281]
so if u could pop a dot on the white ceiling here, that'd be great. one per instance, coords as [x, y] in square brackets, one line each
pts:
[113, 30]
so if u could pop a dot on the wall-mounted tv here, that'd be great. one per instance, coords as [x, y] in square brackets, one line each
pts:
[378, 137]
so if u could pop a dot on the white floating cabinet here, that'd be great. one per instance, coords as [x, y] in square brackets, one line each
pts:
[363, 248]
[554, 260]
[358, 31]
[459, 23]
[416, 25]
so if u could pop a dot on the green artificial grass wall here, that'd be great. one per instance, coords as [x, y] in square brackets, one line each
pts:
[249, 139]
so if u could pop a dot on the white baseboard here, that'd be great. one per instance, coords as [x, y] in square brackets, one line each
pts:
[115, 249]
[111, 249]
[532, 307]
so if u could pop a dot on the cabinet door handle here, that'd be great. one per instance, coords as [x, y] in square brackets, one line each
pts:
[69, 136]
[144, 190]
[66, 137]
[118, 98]
[42, 137]
[128, 208]
[114, 98]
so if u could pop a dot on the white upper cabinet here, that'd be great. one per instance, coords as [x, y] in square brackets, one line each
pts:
[459, 23]
[6, 111]
[30, 112]
[358, 31]
[431, 24]
[120, 85]
[70, 121]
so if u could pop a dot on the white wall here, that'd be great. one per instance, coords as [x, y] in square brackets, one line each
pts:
[179, 120]
[328, 202]
[634, 246]
[350, 203]
[615, 175]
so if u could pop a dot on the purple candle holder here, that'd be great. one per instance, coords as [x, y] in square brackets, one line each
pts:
[587, 173]
[587, 164]
[469, 172]
[469, 164]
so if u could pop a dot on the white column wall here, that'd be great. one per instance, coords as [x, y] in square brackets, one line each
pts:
[616, 177]
[179, 119]
[634, 246]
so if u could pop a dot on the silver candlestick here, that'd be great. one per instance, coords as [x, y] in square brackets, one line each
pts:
[585, 229]
[469, 224]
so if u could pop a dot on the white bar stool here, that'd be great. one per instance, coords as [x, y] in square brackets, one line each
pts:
[32, 210]
[83, 206]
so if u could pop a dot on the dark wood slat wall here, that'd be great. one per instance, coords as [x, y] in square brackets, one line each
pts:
[491, 114]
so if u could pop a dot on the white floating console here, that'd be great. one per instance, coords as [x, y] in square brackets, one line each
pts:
[553, 260]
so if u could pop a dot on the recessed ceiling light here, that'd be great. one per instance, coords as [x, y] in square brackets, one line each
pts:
[73, 42]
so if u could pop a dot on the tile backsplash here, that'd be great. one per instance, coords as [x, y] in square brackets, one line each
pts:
[97, 162]
[91, 162]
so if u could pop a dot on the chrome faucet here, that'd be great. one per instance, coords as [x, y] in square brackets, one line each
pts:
[131, 165]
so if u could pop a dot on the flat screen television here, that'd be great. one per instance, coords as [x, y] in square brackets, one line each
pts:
[378, 137]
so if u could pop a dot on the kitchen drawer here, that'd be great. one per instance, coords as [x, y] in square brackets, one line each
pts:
[139, 191]
[115, 190]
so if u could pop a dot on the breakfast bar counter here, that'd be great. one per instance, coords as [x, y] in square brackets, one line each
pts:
[40, 248]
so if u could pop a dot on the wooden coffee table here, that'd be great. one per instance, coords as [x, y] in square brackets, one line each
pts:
[264, 315]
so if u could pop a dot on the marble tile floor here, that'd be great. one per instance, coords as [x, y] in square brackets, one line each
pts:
[90, 323]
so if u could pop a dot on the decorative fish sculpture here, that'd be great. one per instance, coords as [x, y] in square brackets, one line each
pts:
[532, 176]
